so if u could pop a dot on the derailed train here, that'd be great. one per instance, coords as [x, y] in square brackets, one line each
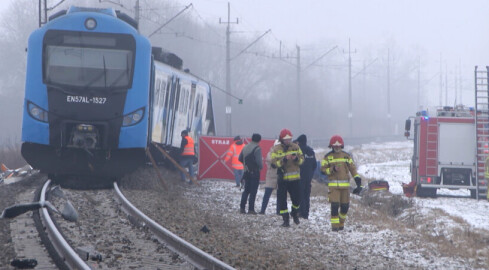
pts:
[97, 94]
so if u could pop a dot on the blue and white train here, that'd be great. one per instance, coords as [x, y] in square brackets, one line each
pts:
[97, 94]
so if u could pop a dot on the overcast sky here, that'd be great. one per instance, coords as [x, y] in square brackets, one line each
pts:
[452, 27]
[454, 30]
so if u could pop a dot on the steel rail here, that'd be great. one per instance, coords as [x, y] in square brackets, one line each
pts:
[64, 250]
[192, 254]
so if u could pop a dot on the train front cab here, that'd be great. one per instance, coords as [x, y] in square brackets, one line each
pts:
[86, 110]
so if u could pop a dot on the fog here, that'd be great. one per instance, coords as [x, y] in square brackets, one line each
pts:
[405, 55]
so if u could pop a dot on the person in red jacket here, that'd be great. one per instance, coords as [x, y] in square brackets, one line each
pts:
[233, 154]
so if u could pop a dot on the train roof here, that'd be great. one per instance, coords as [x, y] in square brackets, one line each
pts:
[184, 74]
[107, 11]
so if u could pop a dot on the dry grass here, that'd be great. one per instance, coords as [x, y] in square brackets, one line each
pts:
[451, 235]
[387, 203]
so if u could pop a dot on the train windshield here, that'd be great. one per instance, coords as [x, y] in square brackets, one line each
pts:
[88, 60]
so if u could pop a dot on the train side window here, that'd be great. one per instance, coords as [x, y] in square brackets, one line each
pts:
[157, 91]
[182, 99]
[185, 106]
[162, 93]
[177, 102]
[197, 106]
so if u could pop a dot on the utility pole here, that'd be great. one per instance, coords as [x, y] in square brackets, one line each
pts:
[455, 84]
[43, 12]
[441, 82]
[446, 84]
[460, 84]
[136, 12]
[228, 72]
[388, 92]
[418, 96]
[299, 113]
[350, 113]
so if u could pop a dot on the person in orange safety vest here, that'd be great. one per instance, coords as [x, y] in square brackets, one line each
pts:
[233, 154]
[187, 155]
[338, 165]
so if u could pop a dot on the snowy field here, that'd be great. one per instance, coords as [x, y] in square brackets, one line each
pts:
[390, 161]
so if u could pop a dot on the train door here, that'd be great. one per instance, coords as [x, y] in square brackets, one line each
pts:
[197, 124]
[180, 120]
[209, 127]
[156, 126]
[172, 107]
[191, 109]
[166, 109]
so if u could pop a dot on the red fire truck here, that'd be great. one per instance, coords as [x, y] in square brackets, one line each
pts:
[445, 153]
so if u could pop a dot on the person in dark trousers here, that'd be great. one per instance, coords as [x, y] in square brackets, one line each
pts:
[187, 155]
[307, 171]
[251, 158]
[287, 157]
[339, 165]
[270, 181]
[233, 154]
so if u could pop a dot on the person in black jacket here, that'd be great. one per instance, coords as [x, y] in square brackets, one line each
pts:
[251, 158]
[307, 171]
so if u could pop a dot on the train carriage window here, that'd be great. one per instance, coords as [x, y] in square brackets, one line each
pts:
[162, 92]
[201, 104]
[157, 91]
[182, 100]
[197, 106]
[187, 95]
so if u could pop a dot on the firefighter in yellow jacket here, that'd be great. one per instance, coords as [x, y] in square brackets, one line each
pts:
[287, 158]
[338, 165]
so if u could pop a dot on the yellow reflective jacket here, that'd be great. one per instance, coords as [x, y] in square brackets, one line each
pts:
[291, 168]
[344, 166]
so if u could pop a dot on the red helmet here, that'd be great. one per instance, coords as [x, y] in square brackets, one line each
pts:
[336, 140]
[285, 134]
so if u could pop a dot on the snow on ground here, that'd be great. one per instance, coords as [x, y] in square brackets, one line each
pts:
[451, 211]
[391, 161]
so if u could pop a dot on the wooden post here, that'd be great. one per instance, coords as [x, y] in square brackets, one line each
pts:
[175, 163]
[156, 168]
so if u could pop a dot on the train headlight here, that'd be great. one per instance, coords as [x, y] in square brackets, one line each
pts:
[133, 118]
[36, 112]
[90, 23]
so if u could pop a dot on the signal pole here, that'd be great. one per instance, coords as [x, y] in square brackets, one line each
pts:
[228, 72]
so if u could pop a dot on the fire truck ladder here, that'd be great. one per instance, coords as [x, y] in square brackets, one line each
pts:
[432, 147]
[482, 127]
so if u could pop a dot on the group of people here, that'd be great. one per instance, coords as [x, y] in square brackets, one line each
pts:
[291, 165]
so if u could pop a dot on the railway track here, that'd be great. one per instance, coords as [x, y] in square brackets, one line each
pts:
[110, 233]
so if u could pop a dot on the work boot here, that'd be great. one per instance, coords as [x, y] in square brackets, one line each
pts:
[335, 229]
[296, 218]
[285, 217]
[251, 212]
[242, 211]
